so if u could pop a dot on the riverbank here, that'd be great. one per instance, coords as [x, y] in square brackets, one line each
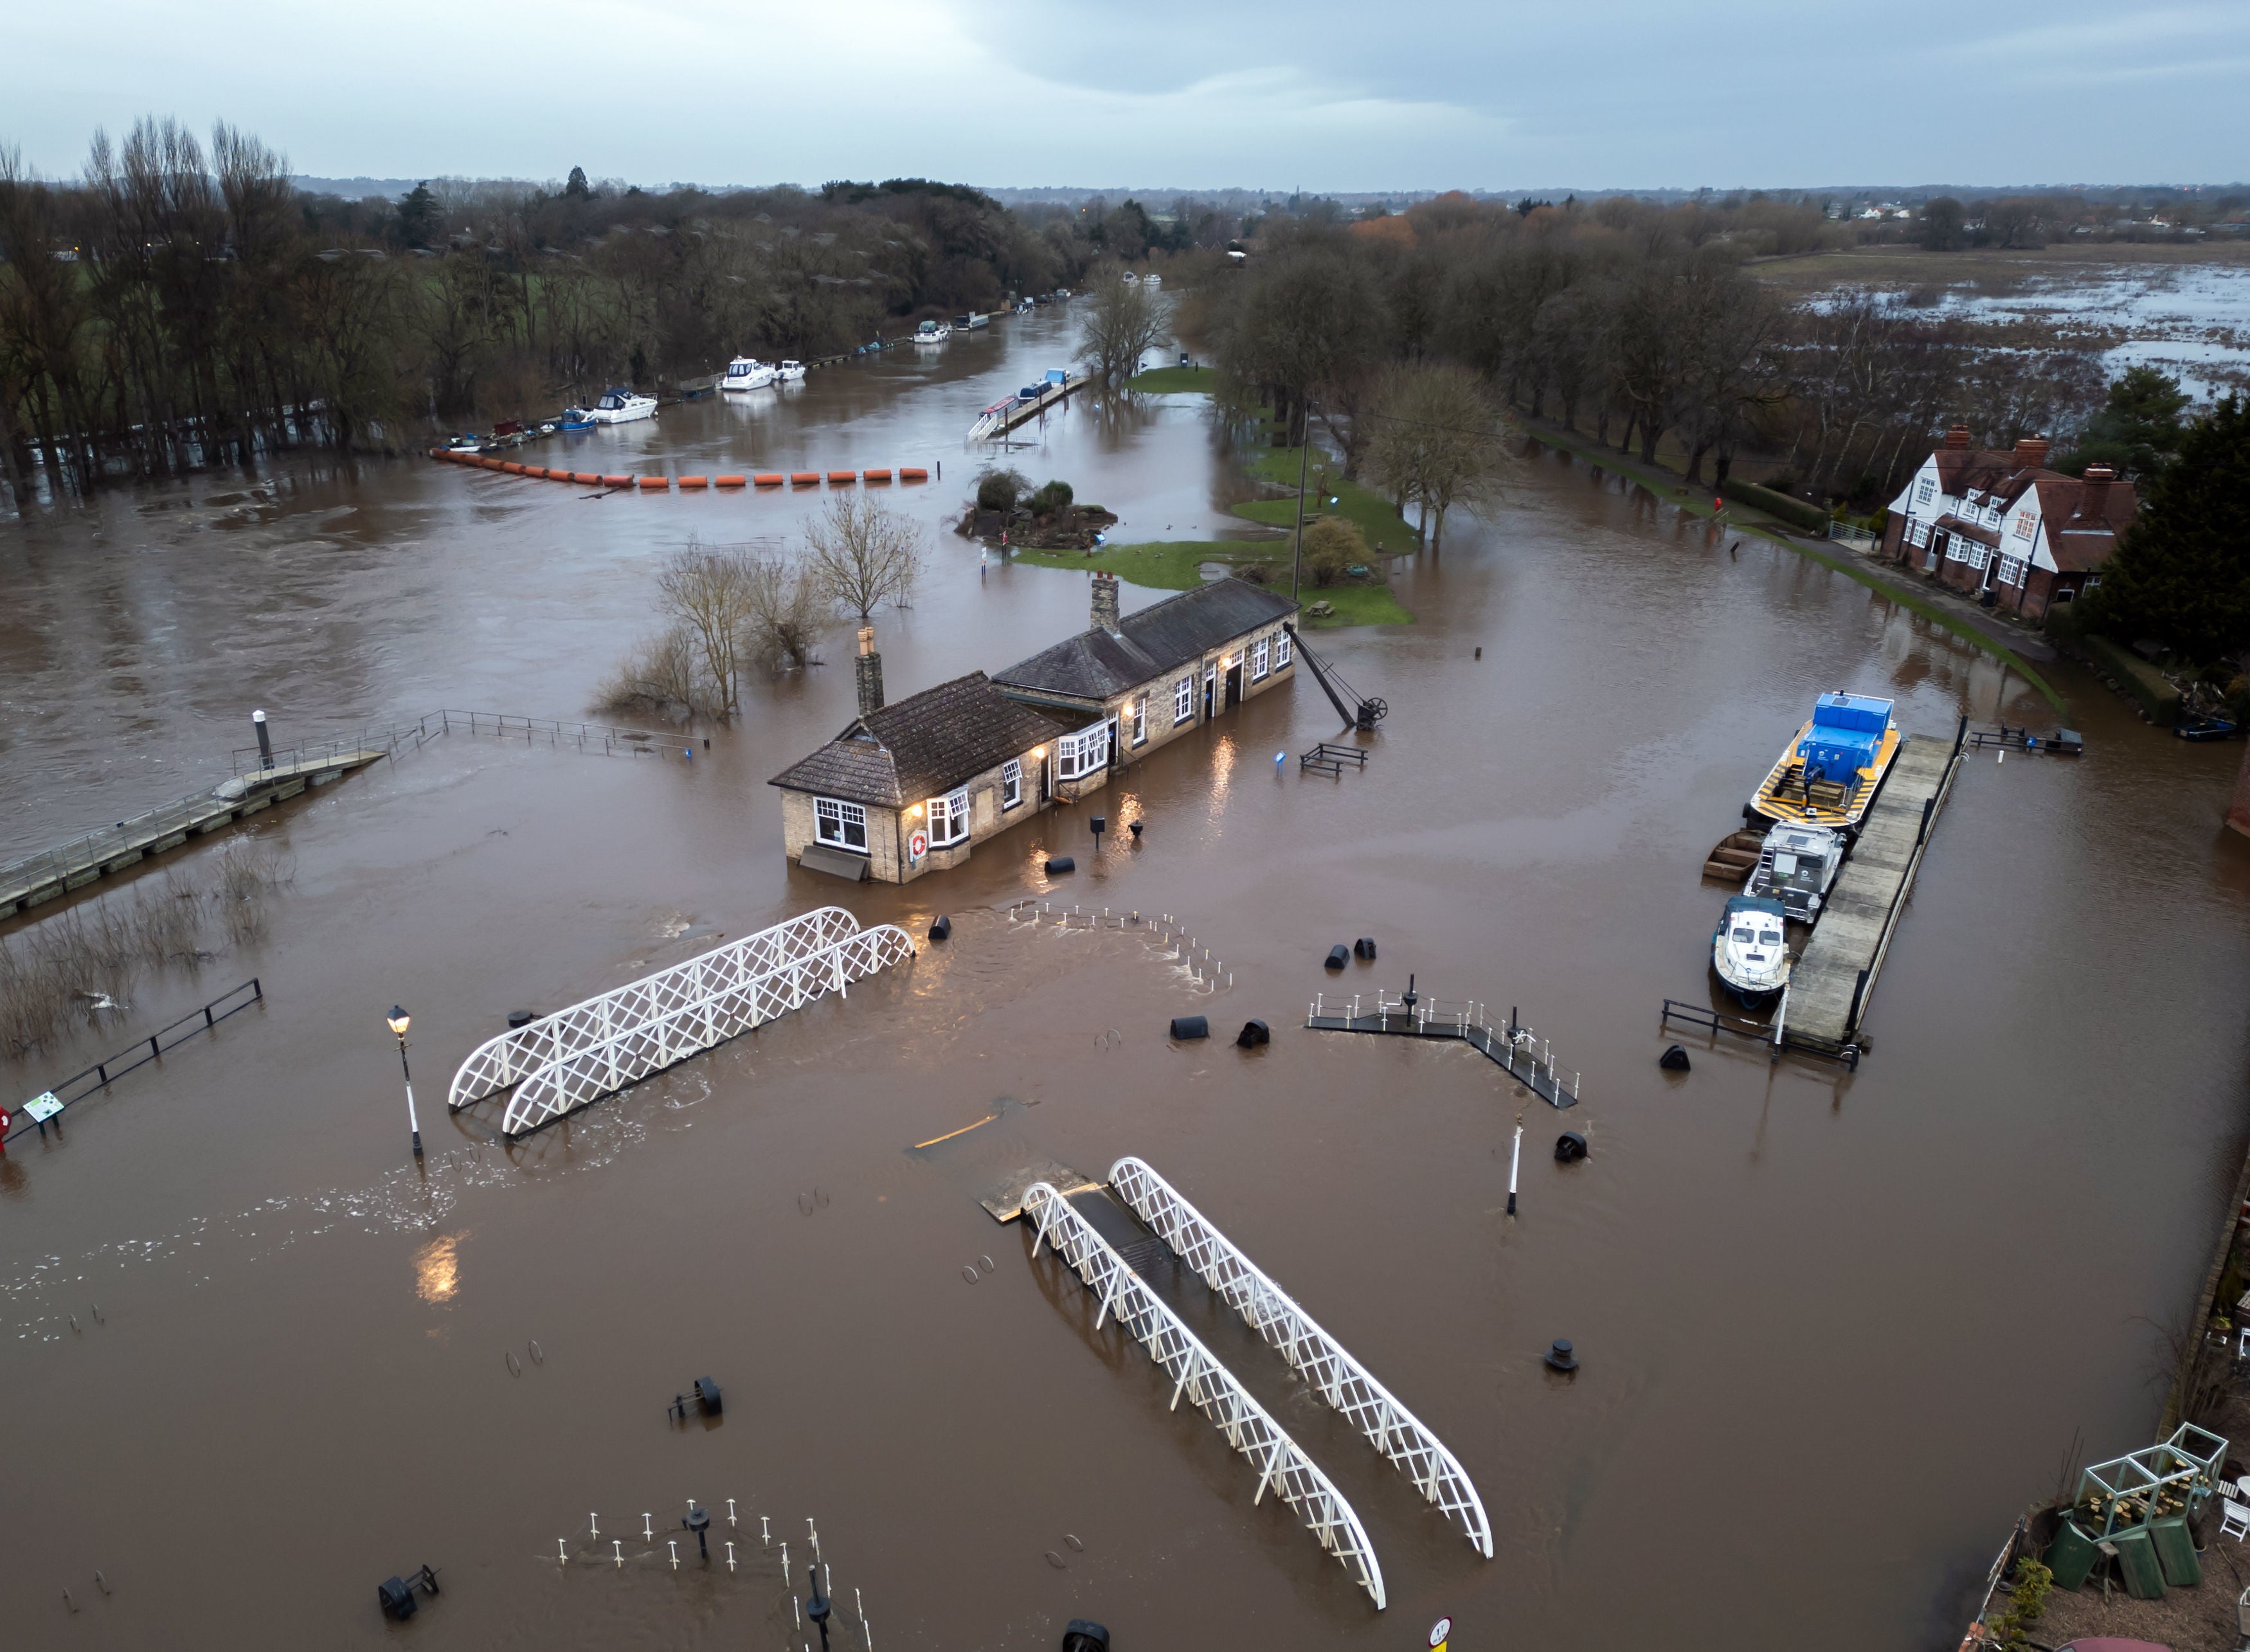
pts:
[1971, 627]
[1178, 565]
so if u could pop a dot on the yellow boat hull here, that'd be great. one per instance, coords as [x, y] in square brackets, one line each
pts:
[1779, 798]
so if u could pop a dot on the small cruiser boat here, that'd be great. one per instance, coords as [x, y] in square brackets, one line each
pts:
[788, 373]
[1796, 866]
[932, 332]
[746, 373]
[1827, 774]
[1749, 950]
[618, 407]
[1152, 280]
[465, 443]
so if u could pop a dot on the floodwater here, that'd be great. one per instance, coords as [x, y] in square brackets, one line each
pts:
[1836, 1330]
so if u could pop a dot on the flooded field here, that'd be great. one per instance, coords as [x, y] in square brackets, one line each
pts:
[1802, 1299]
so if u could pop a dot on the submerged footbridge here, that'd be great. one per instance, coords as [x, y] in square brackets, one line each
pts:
[565, 1061]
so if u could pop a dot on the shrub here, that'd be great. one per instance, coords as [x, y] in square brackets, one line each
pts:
[1332, 545]
[998, 488]
[1055, 496]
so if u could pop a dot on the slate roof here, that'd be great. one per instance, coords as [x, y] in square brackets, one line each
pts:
[923, 745]
[1098, 664]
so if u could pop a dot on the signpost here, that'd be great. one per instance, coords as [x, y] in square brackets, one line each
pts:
[1440, 1632]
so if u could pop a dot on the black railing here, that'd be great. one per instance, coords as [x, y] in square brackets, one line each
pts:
[102, 1074]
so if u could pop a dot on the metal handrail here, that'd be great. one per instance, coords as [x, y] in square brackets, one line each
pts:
[107, 1071]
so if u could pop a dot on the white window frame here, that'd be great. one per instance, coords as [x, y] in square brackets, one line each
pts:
[2012, 571]
[1183, 701]
[1923, 490]
[1011, 784]
[1140, 715]
[1083, 753]
[1979, 554]
[2023, 525]
[836, 811]
[1258, 661]
[1280, 649]
[953, 810]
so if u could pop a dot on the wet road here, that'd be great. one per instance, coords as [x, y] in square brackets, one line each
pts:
[1836, 1330]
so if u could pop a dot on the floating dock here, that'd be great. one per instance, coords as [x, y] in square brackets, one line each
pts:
[1835, 976]
[998, 421]
[1515, 1049]
[39, 878]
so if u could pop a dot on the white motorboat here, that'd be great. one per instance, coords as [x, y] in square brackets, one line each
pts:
[1748, 949]
[620, 407]
[932, 332]
[1796, 866]
[789, 371]
[1152, 280]
[746, 373]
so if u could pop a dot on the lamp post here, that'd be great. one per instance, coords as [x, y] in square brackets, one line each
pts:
[1297, 550]
[400, 1020]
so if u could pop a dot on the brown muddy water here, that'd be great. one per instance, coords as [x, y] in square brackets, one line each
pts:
[1836, 1330]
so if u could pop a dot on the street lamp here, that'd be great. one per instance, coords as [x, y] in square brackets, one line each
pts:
[400, 1020]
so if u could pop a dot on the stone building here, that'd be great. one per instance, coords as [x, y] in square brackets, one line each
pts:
[1153, 676]
[913, 787]
[2000, 524]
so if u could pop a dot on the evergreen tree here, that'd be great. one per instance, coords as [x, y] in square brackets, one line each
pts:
[2181, 574]
[577, 190]
[419, 217]
[2137, 429]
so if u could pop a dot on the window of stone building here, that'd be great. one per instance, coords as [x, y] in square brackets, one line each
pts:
[840, 823]
[949, 818]
[1258, 659]
[1140, 720]
[1011, 784]
[1182, 700]
[1280, 649]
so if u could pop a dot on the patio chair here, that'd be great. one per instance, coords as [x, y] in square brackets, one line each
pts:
[2234, 1513]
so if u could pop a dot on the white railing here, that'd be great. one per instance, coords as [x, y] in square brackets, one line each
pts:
[1346, 1385]
[1282, 1465]
[562, 1062]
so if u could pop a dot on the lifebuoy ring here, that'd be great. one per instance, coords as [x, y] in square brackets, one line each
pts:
[918, 844]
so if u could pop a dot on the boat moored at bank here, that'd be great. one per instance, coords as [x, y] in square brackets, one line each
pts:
[1749, 949]
[1827, 774]
[620, 406]
[745, 374]
[788, 373]
[1797, 866]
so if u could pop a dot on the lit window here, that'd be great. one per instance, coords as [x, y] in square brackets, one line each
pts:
[843, 825]
[1258, 659]
[949, 819]
[1182, 700]
[1140, 720]
[1280, 649]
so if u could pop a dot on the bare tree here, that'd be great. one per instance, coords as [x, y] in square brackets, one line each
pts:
[863, 555]
[787, 605]
[1125, 323]
[1437, 442]
[709, 592]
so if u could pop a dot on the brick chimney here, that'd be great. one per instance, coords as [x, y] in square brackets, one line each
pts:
[869, 666]
[2094, 497]
[1958, 437]
[1105, 602]
[2030, 451]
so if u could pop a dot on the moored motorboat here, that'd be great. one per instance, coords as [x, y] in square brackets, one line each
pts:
[1827, 774]
[619, 407]
[1796, 866]
[932, 332]
[1749, 950]
[746, 373]
[789, 371]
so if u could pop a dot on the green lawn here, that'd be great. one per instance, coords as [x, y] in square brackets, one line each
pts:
[1174, 381]
[1175, 565]
[1365, 509]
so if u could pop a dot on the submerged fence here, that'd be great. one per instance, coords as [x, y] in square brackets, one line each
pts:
[43, 1109]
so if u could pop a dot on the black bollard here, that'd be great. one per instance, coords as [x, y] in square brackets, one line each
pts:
[265, 740]
[1190, 1026]
[1254, 1034]
[699, 1521]
[818, 1608]
[1569, 1148]
[941, 929]
[1100, 826]
[1363, 948]
[1674, 1060]
[1339, 955]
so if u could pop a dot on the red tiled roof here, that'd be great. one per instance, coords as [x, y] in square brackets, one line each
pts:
[2079, 541]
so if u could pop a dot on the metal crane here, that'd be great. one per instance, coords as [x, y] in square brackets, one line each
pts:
[1362, 714]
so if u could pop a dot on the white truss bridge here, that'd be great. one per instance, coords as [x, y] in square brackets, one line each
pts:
[1281, 1463]
[565, 1061]
[1340, 1380]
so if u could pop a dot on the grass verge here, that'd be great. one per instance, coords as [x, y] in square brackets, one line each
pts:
[1174, 381]
[1364, 508]
[1699, 502]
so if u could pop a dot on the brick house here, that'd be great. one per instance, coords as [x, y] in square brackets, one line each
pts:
[1999, 523]
[914, 788]
[1155, 675]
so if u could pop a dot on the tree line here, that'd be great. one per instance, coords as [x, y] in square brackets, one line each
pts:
[1635, 323]
[182, 304]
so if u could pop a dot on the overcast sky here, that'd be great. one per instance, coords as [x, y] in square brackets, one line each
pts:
[1331, 94]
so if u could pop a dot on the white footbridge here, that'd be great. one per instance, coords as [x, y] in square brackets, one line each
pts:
[1282, 1465]
[1340, 1380]
[565, 1061]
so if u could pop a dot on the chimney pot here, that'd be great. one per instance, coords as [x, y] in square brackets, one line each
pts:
[1958, 437]
[2030, 451]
